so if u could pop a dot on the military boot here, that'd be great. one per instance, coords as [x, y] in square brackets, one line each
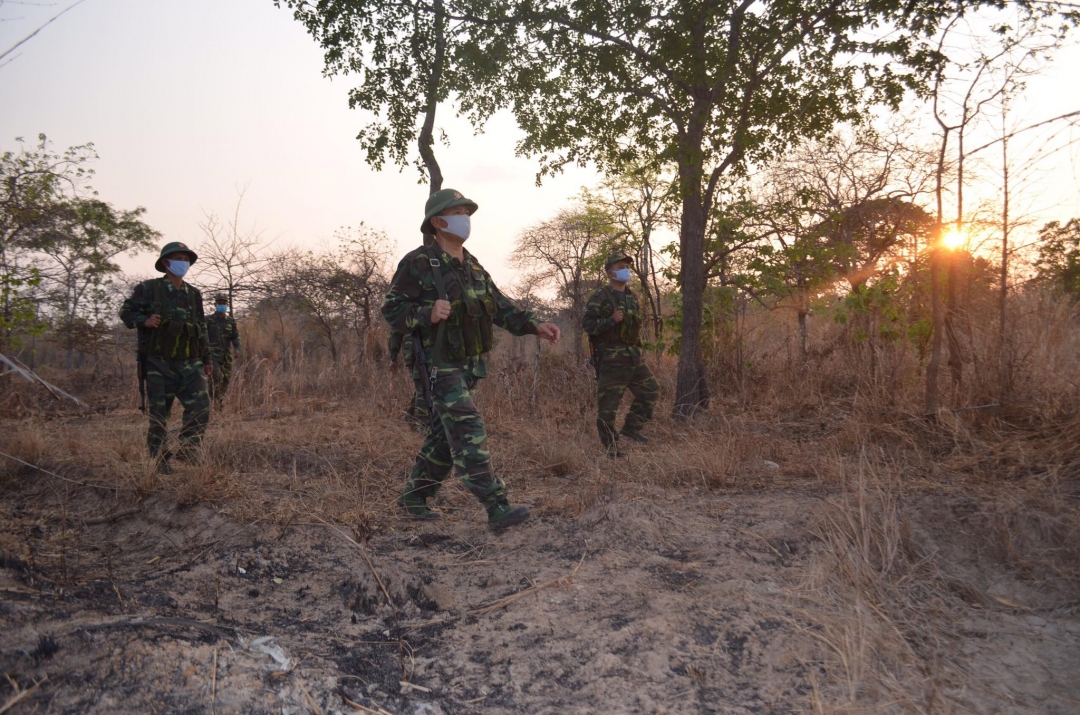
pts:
[635, 436]
[613, 451]
[161, 462]
[502, 515]
[417, 508]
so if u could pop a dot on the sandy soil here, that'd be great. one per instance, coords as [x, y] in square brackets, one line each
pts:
[651, 601]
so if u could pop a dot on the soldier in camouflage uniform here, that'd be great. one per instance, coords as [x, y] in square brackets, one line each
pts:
[224, 340]
[417, 411]
[174, 351]
[443, 294]
[613, 322]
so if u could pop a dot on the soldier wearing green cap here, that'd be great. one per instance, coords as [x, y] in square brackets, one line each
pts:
[224, 342]
[174, 352]
[444, 300]
[613, 321]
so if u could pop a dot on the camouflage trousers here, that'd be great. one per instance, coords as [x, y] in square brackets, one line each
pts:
[461, 443]
[219, 380]
[619, 373]
[417, 411]
[167, 380]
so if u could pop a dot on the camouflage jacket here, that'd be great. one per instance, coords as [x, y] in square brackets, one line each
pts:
[399, 344]
[182, 333]
[224, 336]
[474, 300]
[611, 337]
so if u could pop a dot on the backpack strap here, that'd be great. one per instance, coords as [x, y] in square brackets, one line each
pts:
[440, 332]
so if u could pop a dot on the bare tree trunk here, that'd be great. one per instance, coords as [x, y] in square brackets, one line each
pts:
[427, 139]
[1004, 294]
[691, 391]
[933, 367]
[802, 337]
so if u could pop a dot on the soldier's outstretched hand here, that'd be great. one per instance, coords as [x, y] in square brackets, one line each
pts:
[549, 332]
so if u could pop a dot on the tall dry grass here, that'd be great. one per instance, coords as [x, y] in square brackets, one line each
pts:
[301, 437]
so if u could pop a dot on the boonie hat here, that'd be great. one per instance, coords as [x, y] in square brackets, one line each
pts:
[439, 202]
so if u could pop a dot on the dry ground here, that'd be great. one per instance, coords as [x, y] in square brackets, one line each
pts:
[812, 560]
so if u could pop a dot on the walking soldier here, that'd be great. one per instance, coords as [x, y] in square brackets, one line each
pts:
[174, 353]
[613, 322]
[443, 298]
[224, 342]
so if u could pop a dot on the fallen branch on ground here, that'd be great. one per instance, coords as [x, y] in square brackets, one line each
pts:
[220, 631]
[504, 602]
[363, 552]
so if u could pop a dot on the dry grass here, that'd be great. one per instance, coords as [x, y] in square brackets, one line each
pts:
[302, 439]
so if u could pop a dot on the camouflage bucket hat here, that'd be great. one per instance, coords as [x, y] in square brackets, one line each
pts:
[615, 258]
[439, 202]
[170, 248]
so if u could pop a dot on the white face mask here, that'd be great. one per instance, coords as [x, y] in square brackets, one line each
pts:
[458, 225]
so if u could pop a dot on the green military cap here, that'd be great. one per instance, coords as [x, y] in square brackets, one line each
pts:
[171, 248]
[615, 258]
[221, 298]
[439, 202]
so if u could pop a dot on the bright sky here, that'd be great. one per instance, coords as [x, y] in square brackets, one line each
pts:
[187, 100]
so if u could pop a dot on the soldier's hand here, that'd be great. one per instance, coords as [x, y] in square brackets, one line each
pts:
[549, 332]
[208, 369]
[395, 366]
[618, 316]
[441, 311]
[153, 321]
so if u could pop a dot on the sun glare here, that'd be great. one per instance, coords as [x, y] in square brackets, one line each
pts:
[953, 238]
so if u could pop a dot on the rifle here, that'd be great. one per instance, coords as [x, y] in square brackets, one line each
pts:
[140, 367]
[594, 358]
[427, 377]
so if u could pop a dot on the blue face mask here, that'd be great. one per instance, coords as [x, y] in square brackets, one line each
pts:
[178, 268]
[622, 275]
[221, 308]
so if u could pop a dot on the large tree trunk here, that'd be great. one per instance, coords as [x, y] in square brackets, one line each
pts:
[691, 390]
[802, 337]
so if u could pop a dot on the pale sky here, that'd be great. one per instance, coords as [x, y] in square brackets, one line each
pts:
[186, 100]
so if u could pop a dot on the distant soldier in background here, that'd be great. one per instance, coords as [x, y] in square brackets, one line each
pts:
[613, 322]
[174, 352]
[443, 298]
[417, 411]
[224, 342]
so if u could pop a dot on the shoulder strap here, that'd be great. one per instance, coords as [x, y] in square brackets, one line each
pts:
[440, 332]
[157, 288]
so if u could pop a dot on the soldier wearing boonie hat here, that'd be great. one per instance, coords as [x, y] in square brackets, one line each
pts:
[613, 320]
[174, 352]
[443, 300]
[224, 339]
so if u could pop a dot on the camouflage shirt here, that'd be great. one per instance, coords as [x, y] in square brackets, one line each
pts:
[611, 337]
[224, 336]
[470, 290]
[182, 333]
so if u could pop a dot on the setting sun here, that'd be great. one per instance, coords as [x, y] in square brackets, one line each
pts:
[953, 238]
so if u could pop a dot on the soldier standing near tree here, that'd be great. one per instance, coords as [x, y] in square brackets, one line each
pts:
[224, 342]
[443, 299]
[613, 322]
[174, 353]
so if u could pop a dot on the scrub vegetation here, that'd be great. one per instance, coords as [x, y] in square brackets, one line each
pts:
[861, 492]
